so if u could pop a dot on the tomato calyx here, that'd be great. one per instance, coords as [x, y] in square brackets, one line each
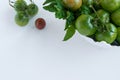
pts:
[18, 5]
[101, 18]
[11, 3]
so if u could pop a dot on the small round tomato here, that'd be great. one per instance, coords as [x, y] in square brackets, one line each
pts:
[110, 5]
[32, 9]
[108, 35]
[118, 35]
[72, 4]
[21, 18]
[20, 5]
[115, 16]
[40, 23]
[84, 26]
[103, 15]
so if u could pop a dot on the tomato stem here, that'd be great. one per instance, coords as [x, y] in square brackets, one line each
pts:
[95, 11]
[101, 23]
[10, 3]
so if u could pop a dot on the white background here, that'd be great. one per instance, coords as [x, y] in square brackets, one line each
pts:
[27, 53]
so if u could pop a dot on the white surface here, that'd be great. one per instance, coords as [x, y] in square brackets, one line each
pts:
[30, 54]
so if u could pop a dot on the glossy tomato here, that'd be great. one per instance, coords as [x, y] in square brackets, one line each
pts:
[84, 26]
[21, 18]
[115, 16]
[103, 15]
[72, 4]
[20, 5]
[108, 35]
[32, 9]
[110, 5]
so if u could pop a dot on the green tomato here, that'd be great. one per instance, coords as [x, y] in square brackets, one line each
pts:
[103, 15]
[110, 5]
[84, 26]
[21, 19]
[72, 4]
[115, 16]
[32, 10]
[118, 35]
[20, 5]
[108, 35]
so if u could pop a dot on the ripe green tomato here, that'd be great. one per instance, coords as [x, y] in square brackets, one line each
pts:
[84, 26]
[103, 15]
[21, 19]
[115, 16]
[110, 5]
[72, 4]
[118, 35]
[20, 5]
[108, 35]
[32, 10]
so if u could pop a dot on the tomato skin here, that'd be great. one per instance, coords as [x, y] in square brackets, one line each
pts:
[84, 26]
[118, 35]
[108, 35]
[103, 15]
[115, 16]
[40, 23]
[32, 10]
[20, 5]
[21, 19]
[110, 5]
[72, 4]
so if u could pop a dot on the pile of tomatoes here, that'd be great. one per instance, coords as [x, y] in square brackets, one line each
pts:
[24, 12]
[99, 19]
